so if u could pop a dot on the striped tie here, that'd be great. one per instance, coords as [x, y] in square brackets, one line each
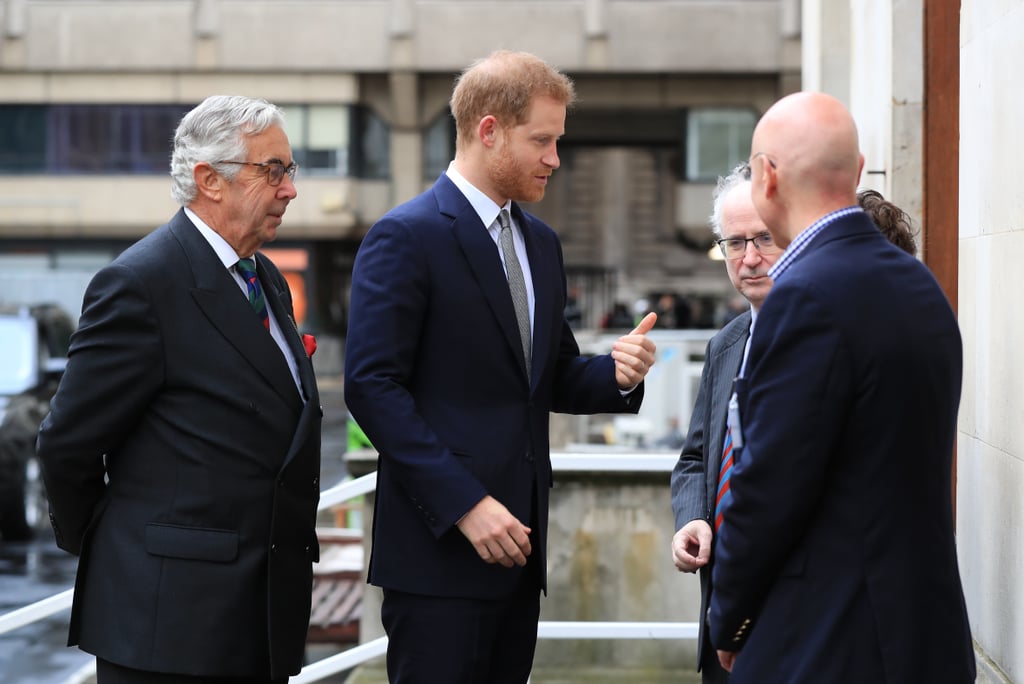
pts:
[247, 269]
[724, 473]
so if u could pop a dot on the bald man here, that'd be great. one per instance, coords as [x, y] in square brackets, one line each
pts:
[835, 560]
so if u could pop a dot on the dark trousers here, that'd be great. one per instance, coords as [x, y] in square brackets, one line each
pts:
[435, 639]
[109, 673]
[711, 671]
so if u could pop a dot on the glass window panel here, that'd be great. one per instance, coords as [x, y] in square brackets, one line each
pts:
[438, 146]
[717, 138]
[326, 147]
[319, 136]
[154, 131]
[88, 139]
[328, 127]
[22, 138]
[374, 145]
[295, 127]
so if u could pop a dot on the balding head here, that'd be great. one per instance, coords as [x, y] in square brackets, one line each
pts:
[806, 162]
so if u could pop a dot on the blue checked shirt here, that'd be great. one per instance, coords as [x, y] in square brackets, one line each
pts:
[803, 239]
[789, 256]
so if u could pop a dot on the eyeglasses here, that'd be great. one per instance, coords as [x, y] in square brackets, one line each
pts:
[275, 170]
[754, 156]
[736, 248]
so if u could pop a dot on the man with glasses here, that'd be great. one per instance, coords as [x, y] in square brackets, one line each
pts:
[181, 454]
[749, 251]
[836, 559]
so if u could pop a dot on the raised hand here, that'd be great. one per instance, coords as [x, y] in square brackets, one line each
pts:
[634, 354]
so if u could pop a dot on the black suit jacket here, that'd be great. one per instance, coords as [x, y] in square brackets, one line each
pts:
[695, 475]
[434, 374]
[836, 561]
[183, 465]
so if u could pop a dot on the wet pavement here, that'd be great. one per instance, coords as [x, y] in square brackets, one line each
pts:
[36, 653]
[31, 571]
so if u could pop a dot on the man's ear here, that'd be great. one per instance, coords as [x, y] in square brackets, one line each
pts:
[488, 130]
[208, 182]
[770, 178]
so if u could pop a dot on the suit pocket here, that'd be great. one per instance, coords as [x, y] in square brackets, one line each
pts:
[191, 543]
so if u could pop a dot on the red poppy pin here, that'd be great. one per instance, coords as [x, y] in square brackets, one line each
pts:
[309, 342]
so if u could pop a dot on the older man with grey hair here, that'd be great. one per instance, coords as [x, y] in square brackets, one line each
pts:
[181, 454]
[749, 252]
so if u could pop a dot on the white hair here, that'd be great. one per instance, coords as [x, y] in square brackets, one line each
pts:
[213, 132]
[735, 178]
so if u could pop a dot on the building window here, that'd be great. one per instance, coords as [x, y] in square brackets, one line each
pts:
[371, 158]
[339, 140]
[87, 139]
[319, 136]
[438, 146]
[111, 138]
[717, 139]
[138, 139]
[22, 139]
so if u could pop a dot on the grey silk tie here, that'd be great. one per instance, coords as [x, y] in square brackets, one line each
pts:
[516, 285]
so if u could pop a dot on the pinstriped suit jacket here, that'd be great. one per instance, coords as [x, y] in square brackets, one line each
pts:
[695, 476]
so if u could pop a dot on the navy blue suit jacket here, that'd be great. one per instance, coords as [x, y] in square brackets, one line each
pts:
[435, 376]
[197, 550]
[836, 560]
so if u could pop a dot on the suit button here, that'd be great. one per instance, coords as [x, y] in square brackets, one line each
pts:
[273, 548]
[316, 482]
[280, 483]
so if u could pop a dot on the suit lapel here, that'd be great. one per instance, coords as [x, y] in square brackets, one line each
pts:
[482, 255]
[221, 301]
[726, 365]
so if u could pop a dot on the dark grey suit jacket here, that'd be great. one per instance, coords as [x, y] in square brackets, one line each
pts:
[695, 476]
[182, 464]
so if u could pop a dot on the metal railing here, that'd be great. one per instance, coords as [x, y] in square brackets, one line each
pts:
[561, 461]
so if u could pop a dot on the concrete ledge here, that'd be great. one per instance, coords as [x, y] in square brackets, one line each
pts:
[988, 671]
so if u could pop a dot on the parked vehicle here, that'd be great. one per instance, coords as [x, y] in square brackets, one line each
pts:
[33, 353]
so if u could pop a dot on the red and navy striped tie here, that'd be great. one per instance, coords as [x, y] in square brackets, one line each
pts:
[247, 269]
[724, 473]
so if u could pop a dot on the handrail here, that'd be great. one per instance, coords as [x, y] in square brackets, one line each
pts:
[545, 630]
[35, 612]
[600, 461]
